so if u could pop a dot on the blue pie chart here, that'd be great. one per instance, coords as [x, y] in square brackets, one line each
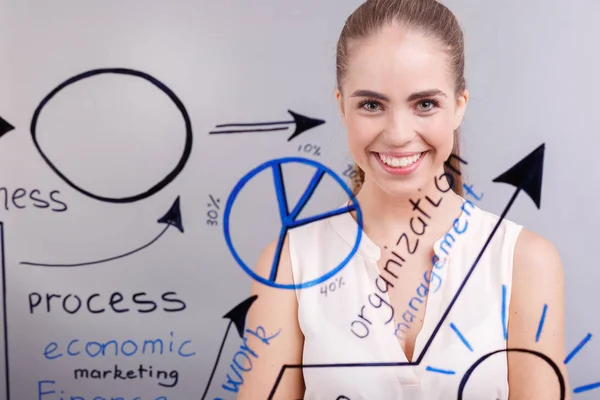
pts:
[289, 219]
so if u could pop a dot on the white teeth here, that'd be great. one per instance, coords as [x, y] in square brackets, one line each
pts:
[399, 162]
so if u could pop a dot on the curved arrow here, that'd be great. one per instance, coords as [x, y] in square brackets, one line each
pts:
[5, 127]
[526, 175]
[171, 218]
[237, 316]
[302, 122]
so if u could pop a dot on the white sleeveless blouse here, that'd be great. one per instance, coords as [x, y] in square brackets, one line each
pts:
[474, 327]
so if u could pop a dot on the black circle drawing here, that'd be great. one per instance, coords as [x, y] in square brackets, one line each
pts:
[561, 379]
[122, 71]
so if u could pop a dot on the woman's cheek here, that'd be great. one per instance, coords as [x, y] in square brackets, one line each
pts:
[362, 130]
[437, 131]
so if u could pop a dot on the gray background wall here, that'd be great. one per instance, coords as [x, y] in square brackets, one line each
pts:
[531, 69]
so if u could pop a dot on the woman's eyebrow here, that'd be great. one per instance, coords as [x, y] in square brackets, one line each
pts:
[370, 93]
[412, 97]
[425, 93]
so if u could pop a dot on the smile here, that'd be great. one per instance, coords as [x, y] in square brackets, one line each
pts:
[400, 161]
[400, 165]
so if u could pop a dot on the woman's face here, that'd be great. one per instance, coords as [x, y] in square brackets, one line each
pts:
[399, 107]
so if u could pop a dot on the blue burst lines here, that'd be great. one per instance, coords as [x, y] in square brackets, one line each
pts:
[572, 354]
[541, 324]
[460, 336]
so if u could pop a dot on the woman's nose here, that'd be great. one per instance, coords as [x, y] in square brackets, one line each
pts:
[400, 129]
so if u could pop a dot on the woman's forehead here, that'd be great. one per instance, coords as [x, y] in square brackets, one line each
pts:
[396, 58]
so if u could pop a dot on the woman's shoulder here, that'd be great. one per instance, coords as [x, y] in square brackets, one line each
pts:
[527, 242]
[533, 254]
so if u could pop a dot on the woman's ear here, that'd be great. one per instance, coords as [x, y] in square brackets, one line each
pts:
[340, 101]
[461, 107]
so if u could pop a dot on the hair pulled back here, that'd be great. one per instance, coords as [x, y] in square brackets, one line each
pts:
[428, 17]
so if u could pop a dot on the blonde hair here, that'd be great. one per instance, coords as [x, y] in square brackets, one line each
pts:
[427, 16]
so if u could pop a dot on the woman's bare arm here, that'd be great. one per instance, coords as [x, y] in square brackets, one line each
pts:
[276, 312]
[537, 283]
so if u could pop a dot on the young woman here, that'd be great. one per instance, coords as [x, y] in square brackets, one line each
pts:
[402, 96]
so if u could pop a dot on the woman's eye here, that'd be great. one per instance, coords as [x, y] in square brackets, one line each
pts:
[427, 105]
[370, 105]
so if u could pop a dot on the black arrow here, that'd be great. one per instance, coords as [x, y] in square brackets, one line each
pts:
[5, 127]
[302, 122]
[526, 175]
[237, 316]
[171, 218]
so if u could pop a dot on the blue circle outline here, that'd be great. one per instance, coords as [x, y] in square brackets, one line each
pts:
[275, 162]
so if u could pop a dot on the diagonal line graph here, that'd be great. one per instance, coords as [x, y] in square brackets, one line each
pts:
[526, 176]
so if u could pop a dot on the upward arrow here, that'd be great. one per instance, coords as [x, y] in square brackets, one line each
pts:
[5, 127]
[237, 316]
[525, 175]
[171, 218]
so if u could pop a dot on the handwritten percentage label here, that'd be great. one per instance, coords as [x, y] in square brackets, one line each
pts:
[352, 173]
[332, 285]
[213, 212]
[310, 148]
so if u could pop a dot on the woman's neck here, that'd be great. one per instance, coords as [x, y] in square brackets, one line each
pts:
[385, 217]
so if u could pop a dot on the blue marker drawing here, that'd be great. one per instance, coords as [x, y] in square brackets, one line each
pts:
[504, 321]
[572, 354]
[576, 350]
[460, 336]
[440, 371]
[525, 176]
[586, 387]
[289, 218]
[541, 325]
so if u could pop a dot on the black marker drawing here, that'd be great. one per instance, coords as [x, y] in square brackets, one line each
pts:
[4, 310]
[302, 123]
[128, 72]
[338, 283]
[171, 218]
[5, 127]
[309, 148]
[213, 210]
[237, 316]
[561, 380]
[525, 176]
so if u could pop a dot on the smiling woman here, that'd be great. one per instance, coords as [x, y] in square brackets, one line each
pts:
[402, 96]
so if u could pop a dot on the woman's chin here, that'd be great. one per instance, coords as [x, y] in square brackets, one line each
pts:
[402, 191]
[408, 188]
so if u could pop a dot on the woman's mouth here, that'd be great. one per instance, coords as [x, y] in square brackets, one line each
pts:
[401, 161]
[400, 165]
